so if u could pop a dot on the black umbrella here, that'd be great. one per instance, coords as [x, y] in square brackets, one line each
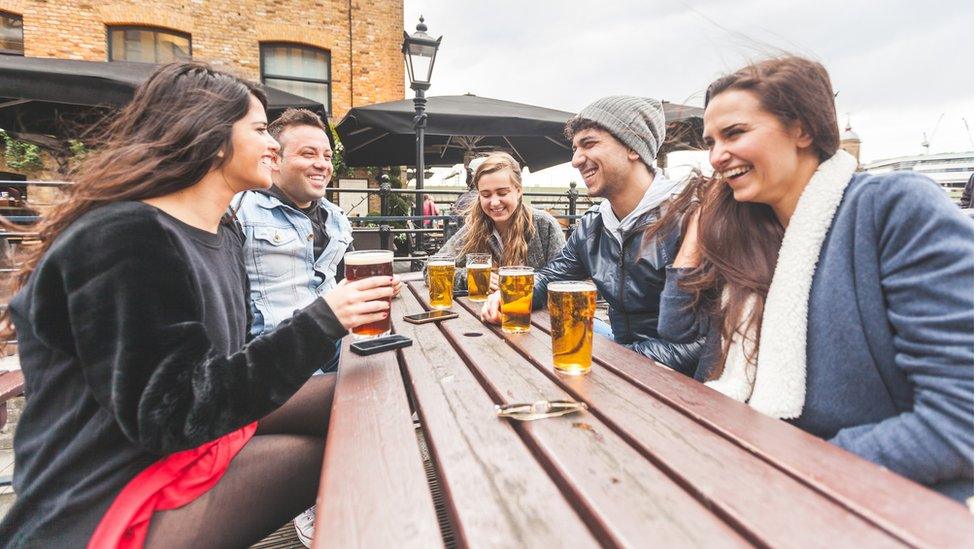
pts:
[460, 126]
[48, 96]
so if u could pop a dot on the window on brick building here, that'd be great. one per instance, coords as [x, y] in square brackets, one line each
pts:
[147, 45]
[301, 70]
[11, 34]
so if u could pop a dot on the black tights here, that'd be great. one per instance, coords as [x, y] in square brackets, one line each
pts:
[271, 480]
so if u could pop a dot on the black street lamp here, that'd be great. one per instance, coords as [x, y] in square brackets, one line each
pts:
[419, 51]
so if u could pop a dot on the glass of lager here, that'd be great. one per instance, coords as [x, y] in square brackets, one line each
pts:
[364, 264]
[571, 308]
[515, 285]
[440, 281]
[479, 276]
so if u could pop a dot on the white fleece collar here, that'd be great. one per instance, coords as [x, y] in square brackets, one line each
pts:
[776, 386]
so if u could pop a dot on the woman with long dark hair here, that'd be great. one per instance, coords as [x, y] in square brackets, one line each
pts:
[149, 418]
[839, 301]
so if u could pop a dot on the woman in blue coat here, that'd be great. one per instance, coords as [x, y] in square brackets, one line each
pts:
[841, 302]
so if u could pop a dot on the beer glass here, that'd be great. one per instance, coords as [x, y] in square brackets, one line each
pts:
[479, 276]
[440, 281]
[571, 308]
[364, 264]
[515, 285]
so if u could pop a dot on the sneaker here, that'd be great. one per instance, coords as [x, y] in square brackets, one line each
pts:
[305, 526]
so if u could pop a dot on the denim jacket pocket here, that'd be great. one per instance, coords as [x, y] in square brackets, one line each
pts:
[277, 251]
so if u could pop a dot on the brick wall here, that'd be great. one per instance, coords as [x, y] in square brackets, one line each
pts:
[227, 33]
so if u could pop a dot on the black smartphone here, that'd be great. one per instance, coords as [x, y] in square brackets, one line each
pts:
[380, 344]
[429, 316]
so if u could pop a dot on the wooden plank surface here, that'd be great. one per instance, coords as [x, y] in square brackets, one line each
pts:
[912, 513]
[749, 493]
[619, 493]
[373, 491]
[497, 493]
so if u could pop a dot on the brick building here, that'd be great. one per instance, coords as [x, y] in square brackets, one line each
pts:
[340, 52]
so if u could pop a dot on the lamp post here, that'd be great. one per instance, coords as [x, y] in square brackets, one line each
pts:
[419, 51]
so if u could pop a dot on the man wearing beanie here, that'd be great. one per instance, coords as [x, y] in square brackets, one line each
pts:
[615, 144]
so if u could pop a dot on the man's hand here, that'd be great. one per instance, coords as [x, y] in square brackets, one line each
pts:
[491, 310]
[493, 283]
[361, 302]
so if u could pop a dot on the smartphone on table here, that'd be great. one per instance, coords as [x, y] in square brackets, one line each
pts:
[430, 316]
[380, 344]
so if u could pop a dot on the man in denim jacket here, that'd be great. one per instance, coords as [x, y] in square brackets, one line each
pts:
[294, 238]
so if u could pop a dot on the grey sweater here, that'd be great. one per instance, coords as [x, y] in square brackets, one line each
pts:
[546, 244]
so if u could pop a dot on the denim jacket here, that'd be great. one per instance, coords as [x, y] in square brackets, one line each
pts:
[278, 254]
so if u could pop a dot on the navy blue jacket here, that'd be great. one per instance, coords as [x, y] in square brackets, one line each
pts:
[889, 331]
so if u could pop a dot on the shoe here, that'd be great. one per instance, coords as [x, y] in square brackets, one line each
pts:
[305, 526]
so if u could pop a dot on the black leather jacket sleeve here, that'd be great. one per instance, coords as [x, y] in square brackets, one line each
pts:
[682, 357]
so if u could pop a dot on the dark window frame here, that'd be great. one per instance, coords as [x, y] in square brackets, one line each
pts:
[23, 45]
[146, 28]
[299, 45]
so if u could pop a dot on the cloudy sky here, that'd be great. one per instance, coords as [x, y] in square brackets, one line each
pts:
[898, 65]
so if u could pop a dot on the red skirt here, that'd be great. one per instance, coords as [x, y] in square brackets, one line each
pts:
[170, 483]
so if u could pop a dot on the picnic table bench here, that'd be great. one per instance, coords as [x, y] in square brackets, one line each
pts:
[657, 459]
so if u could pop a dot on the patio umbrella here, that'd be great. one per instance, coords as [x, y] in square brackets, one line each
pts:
[461, 126]
[50, 96]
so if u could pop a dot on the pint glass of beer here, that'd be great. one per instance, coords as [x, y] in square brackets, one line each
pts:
[479, 276]
[440, 281]
[365, 264]
[515, 285]
[571, 308]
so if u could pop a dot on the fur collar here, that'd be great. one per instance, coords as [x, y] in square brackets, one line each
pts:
[776, 386]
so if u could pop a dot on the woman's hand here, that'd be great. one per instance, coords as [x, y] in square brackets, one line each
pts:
[493, 283]
[361, 302]
[397, 285]
[491, 310]
[689, 255]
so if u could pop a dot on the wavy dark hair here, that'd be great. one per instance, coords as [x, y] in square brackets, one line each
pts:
[165, 140]
[740, 241]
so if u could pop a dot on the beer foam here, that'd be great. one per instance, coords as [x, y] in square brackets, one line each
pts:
[515, 271]
[368, 258]
[573, 286]
[480, 266]
[440, 262]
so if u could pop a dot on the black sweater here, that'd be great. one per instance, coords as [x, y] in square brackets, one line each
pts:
[131, 334]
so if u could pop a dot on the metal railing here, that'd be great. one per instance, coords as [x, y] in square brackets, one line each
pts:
[384, 224]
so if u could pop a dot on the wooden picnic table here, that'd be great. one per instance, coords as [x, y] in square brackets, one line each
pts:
[657, 460]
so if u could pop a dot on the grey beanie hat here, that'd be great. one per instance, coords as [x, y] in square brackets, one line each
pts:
[638, 122]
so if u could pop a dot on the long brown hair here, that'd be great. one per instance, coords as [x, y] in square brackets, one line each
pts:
[480, 226]
[740, 241]
[166, 139]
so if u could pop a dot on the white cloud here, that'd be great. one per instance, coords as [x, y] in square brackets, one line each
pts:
[897, 64]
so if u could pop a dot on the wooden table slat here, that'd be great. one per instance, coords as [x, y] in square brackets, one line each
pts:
[747, 492]
[498, 495]
[597, 469]
[373, 491]
[907, 510]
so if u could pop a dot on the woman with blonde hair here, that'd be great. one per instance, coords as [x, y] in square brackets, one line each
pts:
[502, 224]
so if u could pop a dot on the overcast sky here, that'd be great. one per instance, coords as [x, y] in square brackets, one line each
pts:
[897, 64]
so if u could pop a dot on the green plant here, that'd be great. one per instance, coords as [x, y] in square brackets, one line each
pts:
[339, 168]
[78, 150]
[20, 155]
